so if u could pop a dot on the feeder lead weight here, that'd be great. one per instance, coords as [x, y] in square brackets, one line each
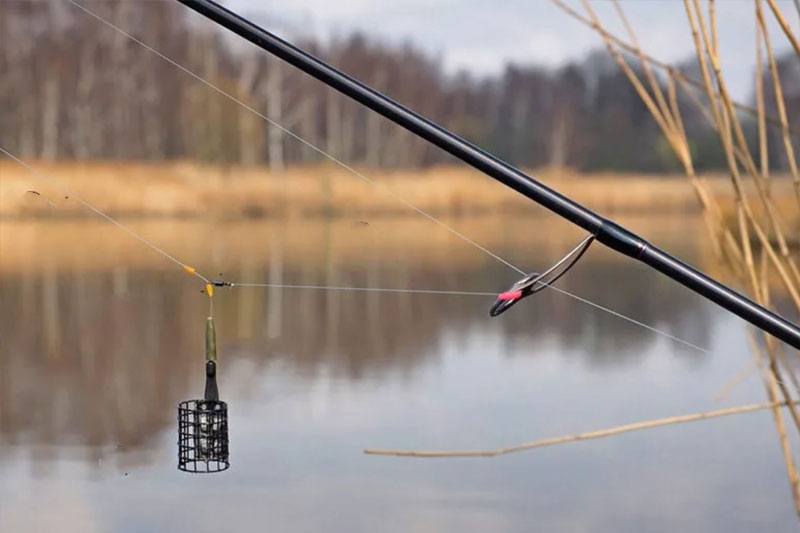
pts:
[211, 340]
[211, 393]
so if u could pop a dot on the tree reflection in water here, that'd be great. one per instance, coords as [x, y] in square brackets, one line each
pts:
[100, 359]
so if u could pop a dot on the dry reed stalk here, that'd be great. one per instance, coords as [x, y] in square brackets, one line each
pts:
[680, 144]
[675, 110]
[777, 376]
[710, 209]
[764, 277]
[725, 116]
[737, 257]
[784, 25]
[705, 113]
[779, 101]
[743, 151]
[726, 389]
[658, 422]
[790, 274]
[772, 345]
[692, 94]
[711, 50]
[675, 134]
[772, 394]
[779, 354]
[668, 127]
[724, 120]
[651, 79]
[632, 77]
[748, 254]
[757, 287]
[773, 380]
[763, 145]
[713, 24]
[681, 75]
[740, 147]
[711, 212]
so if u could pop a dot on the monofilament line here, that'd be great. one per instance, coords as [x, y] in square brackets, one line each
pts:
[360, 175]
[69, 192]
[363, 289]
[466, 293]
[631, 320]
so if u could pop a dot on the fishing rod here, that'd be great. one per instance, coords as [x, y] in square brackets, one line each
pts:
[604, 230]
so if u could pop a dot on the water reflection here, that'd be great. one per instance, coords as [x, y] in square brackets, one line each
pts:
[101, 358]
[95, 359]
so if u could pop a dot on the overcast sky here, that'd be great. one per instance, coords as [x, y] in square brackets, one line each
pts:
[481, 36]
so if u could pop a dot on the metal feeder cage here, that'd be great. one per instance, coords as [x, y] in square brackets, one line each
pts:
[203, 436]
[203, 424]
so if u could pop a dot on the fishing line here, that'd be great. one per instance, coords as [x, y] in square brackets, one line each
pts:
[362, 289]
[365, 178]
[470, 293]
[41, 175]
[631, 320]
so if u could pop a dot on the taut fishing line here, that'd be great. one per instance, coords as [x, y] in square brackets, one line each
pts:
[364, 289]
[527, 283]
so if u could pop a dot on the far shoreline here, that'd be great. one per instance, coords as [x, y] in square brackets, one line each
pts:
[192, 190]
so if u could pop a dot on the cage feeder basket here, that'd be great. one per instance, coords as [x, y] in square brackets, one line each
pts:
[203, 424]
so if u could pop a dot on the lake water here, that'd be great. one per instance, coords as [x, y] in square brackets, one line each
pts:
[101, 338]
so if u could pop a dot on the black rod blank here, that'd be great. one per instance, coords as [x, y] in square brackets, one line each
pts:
[606, 231]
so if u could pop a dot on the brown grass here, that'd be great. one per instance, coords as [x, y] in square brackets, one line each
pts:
[188, 189]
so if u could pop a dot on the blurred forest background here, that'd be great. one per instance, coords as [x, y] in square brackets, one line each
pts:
[73, 89]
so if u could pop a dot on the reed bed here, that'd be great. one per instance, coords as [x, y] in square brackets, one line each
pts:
[188, 189]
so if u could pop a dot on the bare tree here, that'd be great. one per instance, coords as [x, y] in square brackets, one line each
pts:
[249, 145]
[274, 90]
[72, 87]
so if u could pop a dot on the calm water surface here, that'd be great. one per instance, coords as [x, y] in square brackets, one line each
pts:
[101, 338]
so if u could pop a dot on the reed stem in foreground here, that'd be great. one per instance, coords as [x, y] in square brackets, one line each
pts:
[658, 422]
